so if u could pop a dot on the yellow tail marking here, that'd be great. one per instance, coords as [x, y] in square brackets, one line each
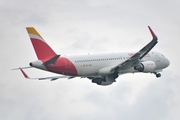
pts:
[31, 30]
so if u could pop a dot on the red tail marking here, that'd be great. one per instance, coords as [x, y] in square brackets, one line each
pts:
[63, 66]
[42, 49]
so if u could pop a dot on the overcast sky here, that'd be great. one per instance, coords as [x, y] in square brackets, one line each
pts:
[73, 27]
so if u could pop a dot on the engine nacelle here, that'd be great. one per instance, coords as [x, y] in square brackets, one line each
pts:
[108, 80]
[148, 66]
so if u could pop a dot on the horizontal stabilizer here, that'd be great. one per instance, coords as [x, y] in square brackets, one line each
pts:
[22, 68]
[51, 60]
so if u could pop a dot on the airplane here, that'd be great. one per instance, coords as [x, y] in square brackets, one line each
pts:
[102, 69]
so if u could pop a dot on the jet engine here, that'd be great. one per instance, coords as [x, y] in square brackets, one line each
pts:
[107, 80]
[147, 66]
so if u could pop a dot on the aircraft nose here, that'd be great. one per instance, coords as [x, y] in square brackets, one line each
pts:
[167, 62]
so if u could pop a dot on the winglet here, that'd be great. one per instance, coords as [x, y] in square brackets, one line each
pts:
[25, 75]
[152, 33]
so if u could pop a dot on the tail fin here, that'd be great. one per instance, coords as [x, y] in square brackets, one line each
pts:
[42, 49]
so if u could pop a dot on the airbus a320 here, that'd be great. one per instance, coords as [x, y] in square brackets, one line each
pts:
[102, 69]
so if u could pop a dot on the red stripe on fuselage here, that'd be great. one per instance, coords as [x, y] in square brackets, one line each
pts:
[63, 66]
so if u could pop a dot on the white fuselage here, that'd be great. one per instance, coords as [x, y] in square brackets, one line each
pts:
[89, 65]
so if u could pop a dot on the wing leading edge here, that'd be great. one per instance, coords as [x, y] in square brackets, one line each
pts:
[134, 60]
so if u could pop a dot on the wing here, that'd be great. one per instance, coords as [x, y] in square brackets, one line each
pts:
[44, 78]
[134, 60]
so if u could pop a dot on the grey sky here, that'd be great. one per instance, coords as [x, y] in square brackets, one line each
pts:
[88, 26]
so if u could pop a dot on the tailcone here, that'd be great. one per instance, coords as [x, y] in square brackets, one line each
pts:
[31, 64]
[37, 64]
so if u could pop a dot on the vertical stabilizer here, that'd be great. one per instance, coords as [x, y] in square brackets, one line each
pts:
[42, 49]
